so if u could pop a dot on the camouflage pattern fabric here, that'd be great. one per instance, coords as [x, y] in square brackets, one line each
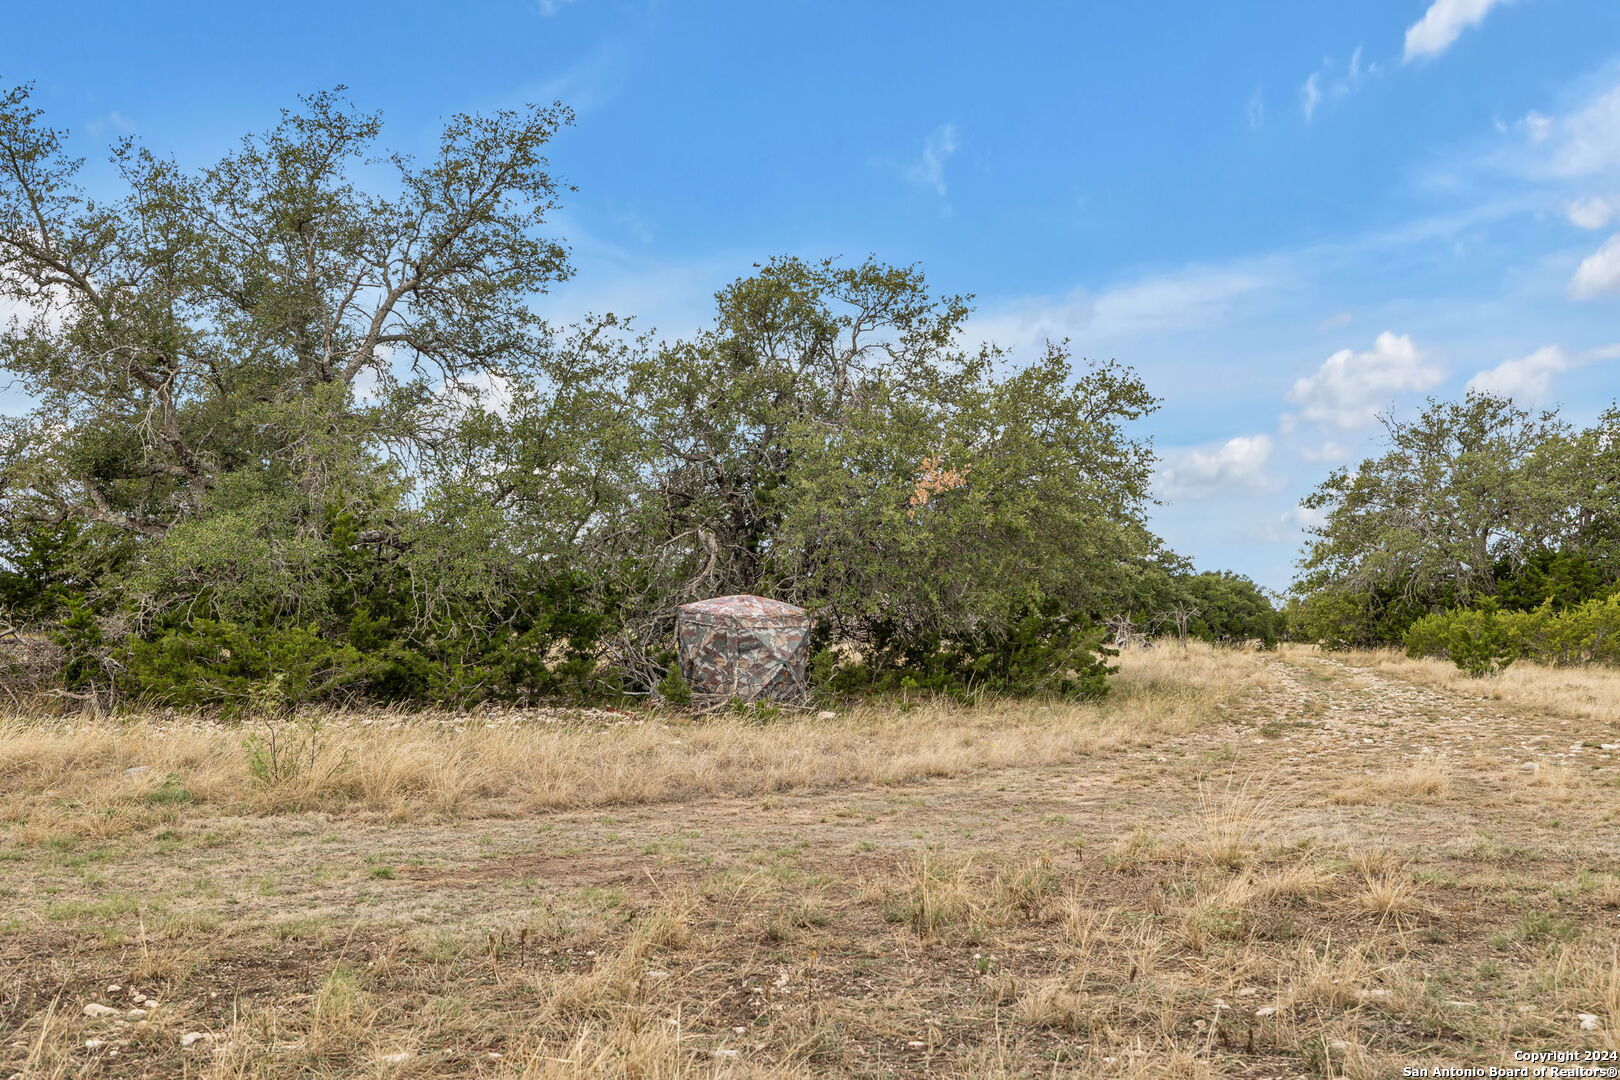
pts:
[743, 647]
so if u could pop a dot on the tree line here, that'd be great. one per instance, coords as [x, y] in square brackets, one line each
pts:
[298, 434]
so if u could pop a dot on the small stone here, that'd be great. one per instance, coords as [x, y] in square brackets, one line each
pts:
[114, 988]
[1269, 1010]
[1609, 746]
[135, 1014]
[826, 714]
[1589, 1022]
[192, 1037]
[1530, 766]
[1375, 993]
[657, 974]
[150, 1003]
[94, 1009]
[137, 770]
[725, 1053]
[94, 1044]
[396, 1058]
[916, 1044]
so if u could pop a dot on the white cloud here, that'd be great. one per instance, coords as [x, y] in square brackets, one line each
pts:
[1350, 387]
[1598, 273]
[1527, 379]
[1310, 95]
[1592, 213]
[1336, 320]
[1442, 23]
[929, 169]
[1238, 464]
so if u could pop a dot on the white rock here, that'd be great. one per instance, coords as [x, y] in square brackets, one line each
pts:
[93, 1009]
[1609, 746]
[137, 770]
[725, 1053]
[150, 1003]
[135, 1014]
[395, 1058]
[916, 1044]
[114, 988]
[1589, 1022]
[1269, 1010]
[826, 714]
[94, 1044]
[1375, 993]
[191, 1037]
[1530, 766]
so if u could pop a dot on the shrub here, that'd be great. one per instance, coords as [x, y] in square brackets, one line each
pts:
[1483, 640]
[1039, 655]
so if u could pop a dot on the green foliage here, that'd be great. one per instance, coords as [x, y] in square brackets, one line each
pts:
[1559, 578]
[36, 568]
[1231, 609]
[1038, 655]
[1477, 501]
[83, 646]
[674, 689]
[203, 661]
[282, 752]
[284, 484]
[1484, 640]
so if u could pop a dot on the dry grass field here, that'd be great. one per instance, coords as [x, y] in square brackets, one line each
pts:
[1285, 865]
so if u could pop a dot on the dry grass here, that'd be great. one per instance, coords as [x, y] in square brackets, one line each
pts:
[400, 766]
[1181, 883]
[1424, 781]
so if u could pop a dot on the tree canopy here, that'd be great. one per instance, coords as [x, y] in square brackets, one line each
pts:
[298, 425]
[1478, 500]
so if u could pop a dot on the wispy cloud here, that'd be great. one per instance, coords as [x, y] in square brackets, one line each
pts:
[1330, 82]
[1256, 111]
[1442, 24]
[1310, 95]
[929, 169]
[549, 8]
[1168, 302]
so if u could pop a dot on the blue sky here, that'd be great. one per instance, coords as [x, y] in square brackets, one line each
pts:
[1286, 216]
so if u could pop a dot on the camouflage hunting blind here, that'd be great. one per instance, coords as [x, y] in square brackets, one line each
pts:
[743, 647]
